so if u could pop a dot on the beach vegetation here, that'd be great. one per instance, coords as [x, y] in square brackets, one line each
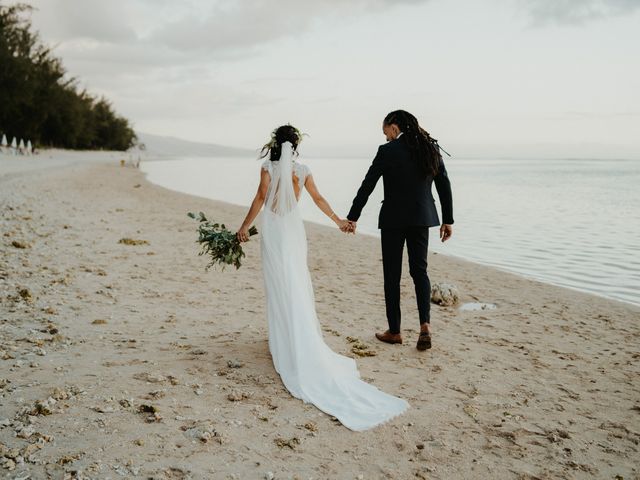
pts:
[39, 100]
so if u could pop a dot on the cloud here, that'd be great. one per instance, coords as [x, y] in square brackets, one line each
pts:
[241, 25]
[151, 35]
[576, 12]
[218, 28]
[86, 19]
[603, 114]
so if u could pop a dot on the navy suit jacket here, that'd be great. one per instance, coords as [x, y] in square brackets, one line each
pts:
[408, 200]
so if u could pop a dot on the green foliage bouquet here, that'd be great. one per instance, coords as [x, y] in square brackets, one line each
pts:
[221, 244]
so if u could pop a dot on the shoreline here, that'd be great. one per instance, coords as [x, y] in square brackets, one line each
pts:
[71, 157]
[155, 367]
[525, 275]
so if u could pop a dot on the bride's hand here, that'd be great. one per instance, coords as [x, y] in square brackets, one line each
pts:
[351, 227]
[345, 226]
[243, 234]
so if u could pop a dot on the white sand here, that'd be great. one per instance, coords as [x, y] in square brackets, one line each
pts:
[544, 386]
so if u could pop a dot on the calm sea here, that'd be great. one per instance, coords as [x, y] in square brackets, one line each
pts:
[574, 223]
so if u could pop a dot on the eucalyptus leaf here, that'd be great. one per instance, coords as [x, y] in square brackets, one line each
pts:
[219, 244]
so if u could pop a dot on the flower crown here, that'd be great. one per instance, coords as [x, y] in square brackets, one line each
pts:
[273, 142]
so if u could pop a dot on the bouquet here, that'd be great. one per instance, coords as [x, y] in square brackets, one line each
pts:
[221, 244]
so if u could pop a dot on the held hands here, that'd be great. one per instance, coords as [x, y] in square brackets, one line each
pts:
[445, 232]
[347, 226]
[341, 223]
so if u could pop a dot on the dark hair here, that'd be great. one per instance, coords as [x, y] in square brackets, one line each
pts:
[423, 147]
[284, 133]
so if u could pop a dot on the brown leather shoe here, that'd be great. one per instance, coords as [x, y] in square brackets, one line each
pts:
[389, 337]
[424, 341]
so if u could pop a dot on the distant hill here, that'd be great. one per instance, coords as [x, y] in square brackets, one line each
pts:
[170, 146]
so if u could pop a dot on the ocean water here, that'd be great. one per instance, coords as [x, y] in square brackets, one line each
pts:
[574, 223]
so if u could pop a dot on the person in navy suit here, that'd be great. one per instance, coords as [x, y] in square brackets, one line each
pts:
[409, 163]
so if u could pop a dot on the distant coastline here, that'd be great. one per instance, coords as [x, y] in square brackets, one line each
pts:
[159, 146]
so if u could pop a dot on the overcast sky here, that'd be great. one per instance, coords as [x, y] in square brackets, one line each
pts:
[485, 77]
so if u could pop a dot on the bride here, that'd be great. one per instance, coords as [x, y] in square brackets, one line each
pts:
[309, 369]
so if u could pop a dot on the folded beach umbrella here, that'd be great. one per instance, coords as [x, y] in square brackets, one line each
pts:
[29, 147]
[21, 145]
[13, 143]
[4, 140]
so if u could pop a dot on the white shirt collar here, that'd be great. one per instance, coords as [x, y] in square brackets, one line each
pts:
[399, 135]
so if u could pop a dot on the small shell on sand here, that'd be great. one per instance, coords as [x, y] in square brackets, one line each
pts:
[472, 306]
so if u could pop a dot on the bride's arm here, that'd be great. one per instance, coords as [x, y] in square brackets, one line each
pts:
[256, 205]
[321, 202]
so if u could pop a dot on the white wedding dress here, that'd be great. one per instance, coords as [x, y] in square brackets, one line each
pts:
[309, 369]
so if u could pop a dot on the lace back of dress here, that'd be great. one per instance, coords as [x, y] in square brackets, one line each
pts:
[281, 198]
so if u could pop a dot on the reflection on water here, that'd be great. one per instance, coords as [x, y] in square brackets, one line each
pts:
[574, 223]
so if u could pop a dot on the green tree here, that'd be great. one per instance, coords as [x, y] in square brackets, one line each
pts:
[38, 102]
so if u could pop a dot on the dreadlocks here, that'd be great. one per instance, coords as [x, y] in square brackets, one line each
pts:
[423, 147]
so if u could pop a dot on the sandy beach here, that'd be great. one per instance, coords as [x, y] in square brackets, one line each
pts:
[128, 360]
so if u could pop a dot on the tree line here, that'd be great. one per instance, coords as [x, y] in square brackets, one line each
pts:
[38, 101]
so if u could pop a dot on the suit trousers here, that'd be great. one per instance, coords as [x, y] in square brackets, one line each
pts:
[393, 240]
